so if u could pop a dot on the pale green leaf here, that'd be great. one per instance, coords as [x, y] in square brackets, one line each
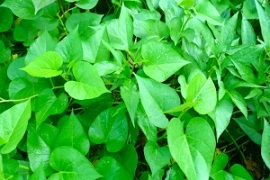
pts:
[46, 65]
[13, 124]
[89, 84]
[161, 61]
[86, 4]
[265, 151]
[202, 93]
[192, 149]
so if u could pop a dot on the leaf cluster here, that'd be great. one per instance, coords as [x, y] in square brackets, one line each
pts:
[134, 89]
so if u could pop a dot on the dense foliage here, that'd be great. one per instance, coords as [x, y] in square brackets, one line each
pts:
[134, 89]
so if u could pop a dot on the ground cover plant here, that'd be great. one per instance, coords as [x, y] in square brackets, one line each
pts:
[134, 89]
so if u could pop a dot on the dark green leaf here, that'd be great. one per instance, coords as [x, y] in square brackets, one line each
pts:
[73, 135]
[5, 23]
[110, 127]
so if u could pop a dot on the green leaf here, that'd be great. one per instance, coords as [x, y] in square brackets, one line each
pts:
[209, 12]
[154, 102]
[45, 42]
[120, 31]
[250, 10]
[174, 173]
[264, 22]
[70, 48]
[39, 174]
[71, 164]
[48, 104]
[193, 149]
[265, 144]
[239, 101]
[238, 171]
[202, 92]
[25, 87]
[130, 96]
[46, 65]
[14, 69]
[5, 53]
[86, 4]
[222, 115]
[149, 130]
[247, 32]
[110, 127]
[5, 23]
[89, 84]
[39, 146]
[39, 4]
[109, 168]
[13, 124]
[23, 9]
[185, 3]
[156, 157]
[162, 61]
[73, 135]
[220, 162]
[128, 158]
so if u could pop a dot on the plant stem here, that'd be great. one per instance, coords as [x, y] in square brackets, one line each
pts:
[2, 100]
[235, 143]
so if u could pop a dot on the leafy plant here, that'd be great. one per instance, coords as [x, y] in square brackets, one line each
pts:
[134, 89]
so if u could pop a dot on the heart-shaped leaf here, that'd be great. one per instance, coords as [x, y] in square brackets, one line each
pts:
[157, 157]
[71, 164]
[192, 149]
[13, 124]
[46, 65]
[89, 84]
[161, 61]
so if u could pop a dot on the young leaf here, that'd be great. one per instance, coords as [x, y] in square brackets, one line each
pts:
[239, 101]
[46, 65]
[193, 150]
[110, 168]
[39, 4]
[202, 92]
[157, 157]
[162, 61]
[130, 96]
[48, 104]
[156, 98]
[89, 84]
[13, 124]
[73, 135]
[39, 146]
[265, 144]
[110, 127]
[220, 162]
[71, 164]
